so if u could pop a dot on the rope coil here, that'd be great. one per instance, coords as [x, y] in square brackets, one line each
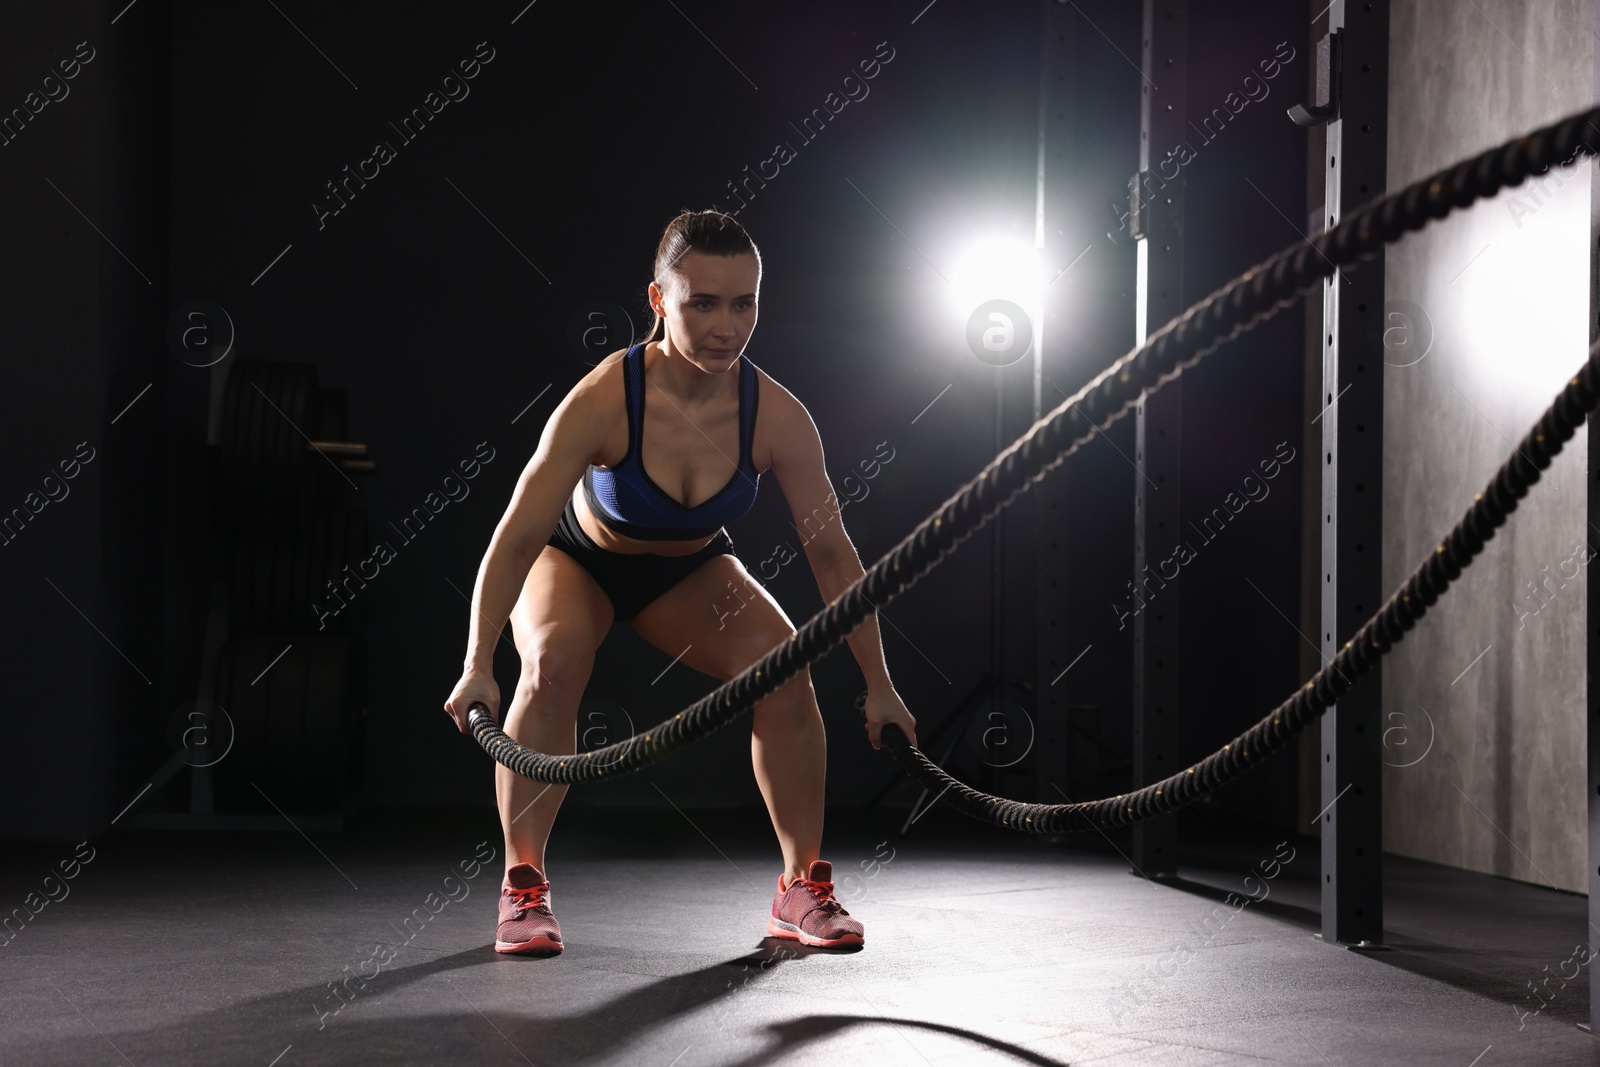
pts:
[1254, 296]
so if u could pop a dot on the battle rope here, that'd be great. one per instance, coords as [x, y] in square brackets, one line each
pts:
[1377, 636]
[1238, 306]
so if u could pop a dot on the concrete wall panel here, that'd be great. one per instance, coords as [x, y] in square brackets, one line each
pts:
[1488, 318]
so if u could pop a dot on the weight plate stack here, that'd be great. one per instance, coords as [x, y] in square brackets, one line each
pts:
[268, 410]
[337, 554]
[292, 699]
[293, 673]
[238, 664]
[331, 485]
[278, 581]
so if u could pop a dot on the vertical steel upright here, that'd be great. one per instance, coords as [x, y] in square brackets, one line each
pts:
[1156, 214]
[1052, 739]
[1356, 57]
[1592, 589]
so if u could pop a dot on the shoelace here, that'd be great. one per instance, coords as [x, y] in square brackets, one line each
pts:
[530, 899]
[823, 891]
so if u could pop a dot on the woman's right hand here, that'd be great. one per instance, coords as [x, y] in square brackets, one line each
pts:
[474, 686]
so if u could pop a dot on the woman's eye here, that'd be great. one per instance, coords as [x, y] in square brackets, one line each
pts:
[704, 305]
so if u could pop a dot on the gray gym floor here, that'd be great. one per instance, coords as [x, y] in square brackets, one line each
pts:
[982, 947]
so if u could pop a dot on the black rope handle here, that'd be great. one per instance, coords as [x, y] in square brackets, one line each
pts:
[1247, 300]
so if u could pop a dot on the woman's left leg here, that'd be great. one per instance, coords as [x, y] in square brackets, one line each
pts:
[728, 621]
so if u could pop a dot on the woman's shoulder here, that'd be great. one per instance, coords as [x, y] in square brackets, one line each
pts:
[611, 364]
[605, 374]
[774, 397]
[781, 416]
[600, 390]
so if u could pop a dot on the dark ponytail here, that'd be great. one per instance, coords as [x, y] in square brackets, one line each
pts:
[710, 232]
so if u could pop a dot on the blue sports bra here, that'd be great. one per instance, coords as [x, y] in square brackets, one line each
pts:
[627, 501]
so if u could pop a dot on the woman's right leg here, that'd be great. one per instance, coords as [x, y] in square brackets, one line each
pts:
[558, 622]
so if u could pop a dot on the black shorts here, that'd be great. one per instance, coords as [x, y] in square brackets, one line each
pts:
[630, 581]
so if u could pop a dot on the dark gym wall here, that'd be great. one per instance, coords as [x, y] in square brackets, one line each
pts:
[1241, 408]
[1500, 293]
[87, 540]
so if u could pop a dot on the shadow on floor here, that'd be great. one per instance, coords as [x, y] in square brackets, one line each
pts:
[789, 1037]
[468, 1029]
[1474, 972]
[1291, 913]
[1480, 971]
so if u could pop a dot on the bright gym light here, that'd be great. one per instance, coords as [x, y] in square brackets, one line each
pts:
[989, 283]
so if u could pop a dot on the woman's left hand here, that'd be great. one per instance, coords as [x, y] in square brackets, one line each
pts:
[885, 706]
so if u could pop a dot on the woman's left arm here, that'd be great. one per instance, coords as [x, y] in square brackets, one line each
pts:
[797, 462]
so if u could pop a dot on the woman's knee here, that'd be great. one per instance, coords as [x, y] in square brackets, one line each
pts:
[793, 704]
[556, 663]
[799, 684]
[795, 690]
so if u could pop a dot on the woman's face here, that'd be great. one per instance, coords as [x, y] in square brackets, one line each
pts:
[709, 305]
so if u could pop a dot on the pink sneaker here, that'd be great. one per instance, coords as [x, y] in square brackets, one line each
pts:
[526, 922]
[808, 913]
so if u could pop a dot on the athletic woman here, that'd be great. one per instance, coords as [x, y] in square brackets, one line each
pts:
[619, 515]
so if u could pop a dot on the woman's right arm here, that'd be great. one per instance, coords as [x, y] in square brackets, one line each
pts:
[566, 447]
